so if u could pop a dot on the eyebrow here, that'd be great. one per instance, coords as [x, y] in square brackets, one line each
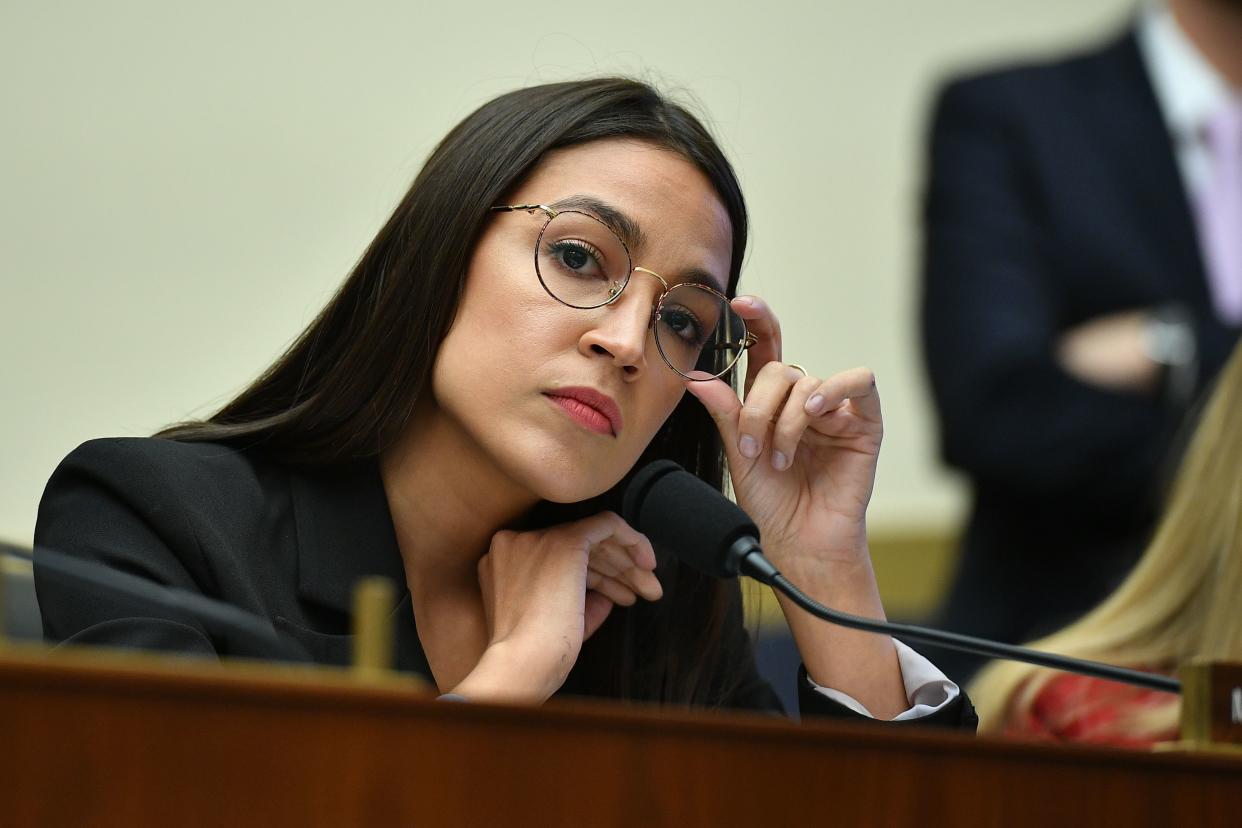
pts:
[628, 229]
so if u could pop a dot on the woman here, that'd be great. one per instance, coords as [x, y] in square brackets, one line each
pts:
[1179, 603]
[502, 348]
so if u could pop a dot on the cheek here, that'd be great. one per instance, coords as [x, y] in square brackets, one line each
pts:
[496, 354]
[467, 372]
[492, 330]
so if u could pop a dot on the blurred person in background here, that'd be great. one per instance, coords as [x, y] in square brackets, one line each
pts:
[1082, 283]
[1179, 603]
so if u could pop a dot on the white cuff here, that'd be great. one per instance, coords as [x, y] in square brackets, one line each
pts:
[927, 689]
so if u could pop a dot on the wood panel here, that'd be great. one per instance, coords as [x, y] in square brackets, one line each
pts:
[90, 742]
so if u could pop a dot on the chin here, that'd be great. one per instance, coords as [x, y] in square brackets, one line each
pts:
[561, 476]
[571, 485]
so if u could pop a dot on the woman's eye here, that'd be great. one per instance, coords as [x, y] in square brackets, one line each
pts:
[578, 259]
[684, 324]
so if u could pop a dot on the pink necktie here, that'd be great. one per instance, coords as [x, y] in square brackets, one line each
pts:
[1220, 212]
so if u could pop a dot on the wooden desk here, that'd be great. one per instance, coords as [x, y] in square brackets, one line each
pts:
[99, 743]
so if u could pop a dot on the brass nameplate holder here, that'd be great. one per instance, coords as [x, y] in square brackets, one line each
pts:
[374, 599]
[1211, 706]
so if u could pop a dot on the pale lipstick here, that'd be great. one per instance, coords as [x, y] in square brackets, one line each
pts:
[589, 408]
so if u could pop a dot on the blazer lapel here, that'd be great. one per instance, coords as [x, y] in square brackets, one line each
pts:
[345, 533]
[337, 648]
[1123, 104]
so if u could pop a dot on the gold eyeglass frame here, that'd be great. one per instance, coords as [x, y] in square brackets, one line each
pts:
[615, 290]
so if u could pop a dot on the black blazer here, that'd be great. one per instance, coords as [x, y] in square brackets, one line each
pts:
[1053, 197]
[285, 545]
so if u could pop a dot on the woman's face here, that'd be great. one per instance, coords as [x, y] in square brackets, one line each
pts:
[513, 372]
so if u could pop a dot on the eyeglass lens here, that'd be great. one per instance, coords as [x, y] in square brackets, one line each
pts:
[583, 264]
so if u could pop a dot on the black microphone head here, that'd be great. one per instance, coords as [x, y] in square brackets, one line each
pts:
[680, 512]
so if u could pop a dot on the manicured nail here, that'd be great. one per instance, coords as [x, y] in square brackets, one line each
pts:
[815, 404]
[748, 447]
[779, 461]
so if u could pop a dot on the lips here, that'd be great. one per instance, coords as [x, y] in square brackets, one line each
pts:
[591, 409]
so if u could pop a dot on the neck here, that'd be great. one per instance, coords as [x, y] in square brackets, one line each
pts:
[1215, 27]
[446, 499]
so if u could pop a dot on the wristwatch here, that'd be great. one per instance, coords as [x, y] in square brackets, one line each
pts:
[1170, 342]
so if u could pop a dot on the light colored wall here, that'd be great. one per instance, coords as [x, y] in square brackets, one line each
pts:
[183, 185]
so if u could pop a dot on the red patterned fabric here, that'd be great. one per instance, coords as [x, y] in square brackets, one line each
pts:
[1072, 708]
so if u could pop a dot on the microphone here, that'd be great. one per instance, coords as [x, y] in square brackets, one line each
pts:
[709, 532]
[703, 527]
[250, 635]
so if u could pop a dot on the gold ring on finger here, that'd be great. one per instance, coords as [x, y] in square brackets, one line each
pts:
[799, 367]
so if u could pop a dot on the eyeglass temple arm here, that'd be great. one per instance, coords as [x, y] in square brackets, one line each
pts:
[749, 342]
[525, 208]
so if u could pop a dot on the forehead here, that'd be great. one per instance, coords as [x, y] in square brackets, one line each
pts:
[683, 223]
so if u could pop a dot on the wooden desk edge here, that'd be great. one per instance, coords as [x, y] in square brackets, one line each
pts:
[137, 674]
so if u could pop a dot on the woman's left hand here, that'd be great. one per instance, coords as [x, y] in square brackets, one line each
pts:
[802, 451]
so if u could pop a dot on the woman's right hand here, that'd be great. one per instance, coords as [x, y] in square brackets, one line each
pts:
[544, 593]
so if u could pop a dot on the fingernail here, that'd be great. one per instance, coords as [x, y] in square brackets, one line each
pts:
[748, 447]
[815, 404]
[779, 461]
[745, 300]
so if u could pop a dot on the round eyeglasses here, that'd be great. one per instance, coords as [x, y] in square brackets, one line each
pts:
[581, 262]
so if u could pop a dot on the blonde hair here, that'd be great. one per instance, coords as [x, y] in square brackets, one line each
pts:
[1179, 602]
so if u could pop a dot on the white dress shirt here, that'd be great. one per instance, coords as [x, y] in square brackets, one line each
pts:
[927, 689]
[1188, 89]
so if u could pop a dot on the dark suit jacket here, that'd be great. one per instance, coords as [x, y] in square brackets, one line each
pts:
[284, 545]
[1053, 198]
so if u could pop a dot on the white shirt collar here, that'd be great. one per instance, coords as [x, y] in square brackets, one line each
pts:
[1189, 89]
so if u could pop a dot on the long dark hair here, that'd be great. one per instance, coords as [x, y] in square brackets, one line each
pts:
[346, 387]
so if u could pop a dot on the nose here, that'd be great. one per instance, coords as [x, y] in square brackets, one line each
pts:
[621, 331]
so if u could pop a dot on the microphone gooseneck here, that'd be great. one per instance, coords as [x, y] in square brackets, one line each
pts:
[250, 635]
[709, 532]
